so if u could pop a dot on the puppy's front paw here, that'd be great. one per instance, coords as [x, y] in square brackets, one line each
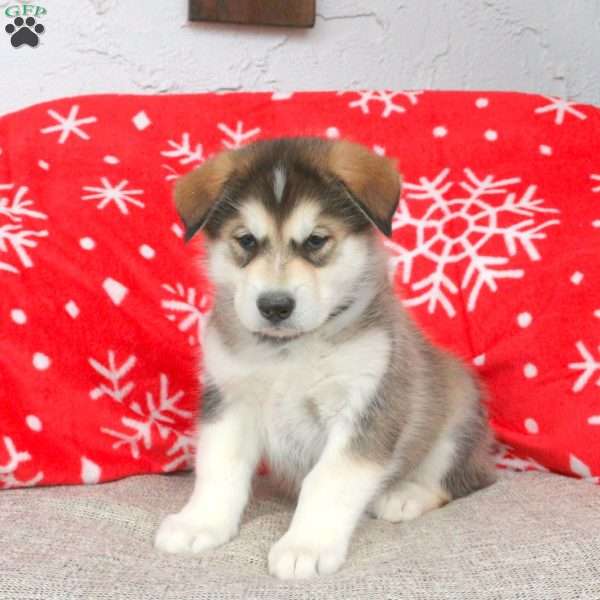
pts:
[291, 559]
[178, 534]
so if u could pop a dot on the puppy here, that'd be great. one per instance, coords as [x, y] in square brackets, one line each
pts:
[311, 362]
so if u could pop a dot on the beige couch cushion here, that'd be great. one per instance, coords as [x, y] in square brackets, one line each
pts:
[530, 536]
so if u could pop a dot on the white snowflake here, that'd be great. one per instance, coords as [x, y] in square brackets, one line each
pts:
[162, 416]
[588, 367]
[154, 416]
[506, 458]
[236, 138]
[191, 311]
[183, 151]
[117, 194]
[595, 178]
[183, 451]
[14, 212]
[69, 124]
[388, 99]
[171, 173]
[8, 478]
[561, 107]
[117, 390]
[454, 226]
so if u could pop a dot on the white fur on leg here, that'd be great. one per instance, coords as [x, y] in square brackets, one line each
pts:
[406, 501]
[332, 499]
[227, 456]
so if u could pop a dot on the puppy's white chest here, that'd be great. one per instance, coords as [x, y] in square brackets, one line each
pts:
[292, 415]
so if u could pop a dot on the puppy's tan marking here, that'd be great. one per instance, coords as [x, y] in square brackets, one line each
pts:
[373, 180]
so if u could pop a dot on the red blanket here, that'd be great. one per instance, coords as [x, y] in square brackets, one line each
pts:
[495, 251]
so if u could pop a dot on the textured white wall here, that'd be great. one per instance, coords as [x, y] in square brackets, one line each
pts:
[147, 46]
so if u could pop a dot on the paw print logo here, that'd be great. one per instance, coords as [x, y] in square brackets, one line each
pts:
[24, 31]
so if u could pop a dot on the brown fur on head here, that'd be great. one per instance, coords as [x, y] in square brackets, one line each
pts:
[290, 220]
[371, 181]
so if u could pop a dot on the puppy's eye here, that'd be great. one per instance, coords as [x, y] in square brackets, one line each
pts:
[247, 242]
[315, 242]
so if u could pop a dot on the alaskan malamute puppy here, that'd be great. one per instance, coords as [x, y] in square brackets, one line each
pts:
[310, 360]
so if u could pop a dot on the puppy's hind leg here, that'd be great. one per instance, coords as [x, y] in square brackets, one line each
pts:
[405, 501]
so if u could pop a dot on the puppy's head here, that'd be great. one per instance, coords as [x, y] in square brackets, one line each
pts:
[289, 225]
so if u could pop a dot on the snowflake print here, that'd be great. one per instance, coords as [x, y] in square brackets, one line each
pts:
[183, 451]
[8, 478]
[588, 367]
[561, 107]
[389, 100]
[183, 151]
[16, 240]
[68, 125]
[155, 416]
[453, 226]
[117, 390]
[596, 188]
[506, 458]
[238, 137]
[191, 311]
[117, 194]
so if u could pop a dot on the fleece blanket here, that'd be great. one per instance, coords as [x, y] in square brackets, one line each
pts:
[495, 251]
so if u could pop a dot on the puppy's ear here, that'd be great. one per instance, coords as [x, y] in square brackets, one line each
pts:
[372, 181]
[198, 192]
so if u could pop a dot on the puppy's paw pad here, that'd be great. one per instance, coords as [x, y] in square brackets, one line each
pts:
[405, 503]
[178, 534]
[288, 560]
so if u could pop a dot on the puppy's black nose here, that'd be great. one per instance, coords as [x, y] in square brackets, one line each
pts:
[275, 307]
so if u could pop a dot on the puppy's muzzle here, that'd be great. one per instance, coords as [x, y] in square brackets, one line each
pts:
[276, 307]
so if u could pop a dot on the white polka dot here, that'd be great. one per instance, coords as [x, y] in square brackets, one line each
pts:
[42, 164]
[479, 361]
[176, 229]
[147, 252]
[18, 316]
[33, 423]
[481, 102]
[531, 425]
[530, 370]
[141, 120]
[545, 150]
[596, 223]
[72, 309]
[40, 361]
[490, 135]
[576, 278]
[597, 313]
[524, 319]
[439, 131]
[332, 132]
[115, 289]
[111, 160]
[379, 150]
[90, 471]
[87, 243]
